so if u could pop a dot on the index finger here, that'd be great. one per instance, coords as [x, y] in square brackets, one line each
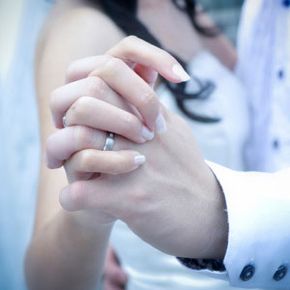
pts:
[136, 50]
[133, 50]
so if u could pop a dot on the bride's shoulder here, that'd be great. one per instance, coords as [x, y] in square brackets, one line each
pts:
[88, 17]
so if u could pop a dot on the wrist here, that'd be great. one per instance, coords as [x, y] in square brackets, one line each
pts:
[87, 222]
[218, 226]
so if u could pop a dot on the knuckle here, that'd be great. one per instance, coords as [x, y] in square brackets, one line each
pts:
[71, 70]
[53, 156]
[79, 108]
[82, 137]
[149, 99]
[95, 86]
[77, 194]
[54, 100]
[129, 40]
[127, 123]
[87, 161]
[112, 66]
[50, 145]
[128, 119]
[140, 196]
[127, 45]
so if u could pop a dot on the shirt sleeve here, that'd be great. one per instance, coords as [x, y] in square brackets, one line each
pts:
[258, 206]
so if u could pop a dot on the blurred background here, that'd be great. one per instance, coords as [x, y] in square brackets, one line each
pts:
[10, 15]
[224, 12]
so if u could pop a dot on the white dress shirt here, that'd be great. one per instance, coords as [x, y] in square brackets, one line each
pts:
[258, 204]
[264, 59]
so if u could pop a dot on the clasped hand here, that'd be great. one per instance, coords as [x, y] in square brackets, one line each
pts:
[155, 179]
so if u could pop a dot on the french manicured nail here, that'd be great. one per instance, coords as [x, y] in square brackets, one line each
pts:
[139, 159]
[179, 71]
[160, 124]
[147, 134]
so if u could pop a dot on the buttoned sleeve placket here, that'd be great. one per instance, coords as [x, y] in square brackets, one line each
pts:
[279, 155]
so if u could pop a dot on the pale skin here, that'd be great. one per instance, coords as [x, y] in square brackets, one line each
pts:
[114, 195]
[60, 232]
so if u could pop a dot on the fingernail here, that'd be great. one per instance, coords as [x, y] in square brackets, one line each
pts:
[160, 124]
[139, 159]
[147, 134]
[179, 71]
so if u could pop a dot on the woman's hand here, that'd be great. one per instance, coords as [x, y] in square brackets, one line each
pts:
[129, 69]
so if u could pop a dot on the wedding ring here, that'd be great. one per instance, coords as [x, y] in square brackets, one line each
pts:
[110, 141]
[64, 121]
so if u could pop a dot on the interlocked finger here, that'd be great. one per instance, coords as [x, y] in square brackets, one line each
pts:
[62, 98]
[107, 162]
[101, 115]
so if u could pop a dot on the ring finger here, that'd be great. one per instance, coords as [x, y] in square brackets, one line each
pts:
[62, 144]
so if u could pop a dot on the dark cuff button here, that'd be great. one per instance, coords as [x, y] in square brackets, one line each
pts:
[280, 273]
[281, 73]
[286, 3]
[247, 273]
[276, 144]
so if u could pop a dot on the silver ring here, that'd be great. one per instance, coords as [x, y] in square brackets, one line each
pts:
[64, 121]
[110, 141]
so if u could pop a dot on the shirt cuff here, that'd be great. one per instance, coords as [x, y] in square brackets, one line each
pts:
[258, 206]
